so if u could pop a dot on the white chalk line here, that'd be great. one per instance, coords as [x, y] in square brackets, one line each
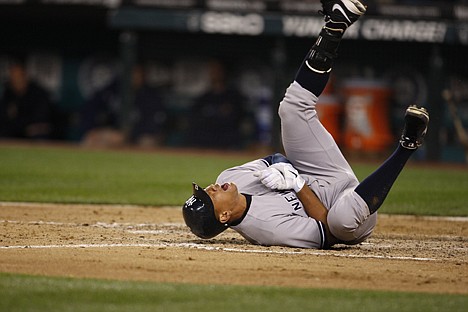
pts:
[148, 232]
[428, 218]
[40, 205]
[212, 248]
[97, 224]
[133, 229]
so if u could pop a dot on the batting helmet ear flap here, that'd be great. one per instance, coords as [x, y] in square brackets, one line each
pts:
[199, 215]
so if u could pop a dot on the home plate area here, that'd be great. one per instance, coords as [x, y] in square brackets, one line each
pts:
[406, 253]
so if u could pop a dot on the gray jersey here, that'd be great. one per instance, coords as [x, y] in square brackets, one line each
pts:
[278, 218]
[273, 217]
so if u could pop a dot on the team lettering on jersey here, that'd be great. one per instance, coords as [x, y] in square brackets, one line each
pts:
[292, 199]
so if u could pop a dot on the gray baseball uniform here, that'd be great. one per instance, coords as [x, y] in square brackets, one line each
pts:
[278, 217]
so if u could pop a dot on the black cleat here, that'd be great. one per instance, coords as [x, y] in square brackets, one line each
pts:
[340, 14]
[416, 120]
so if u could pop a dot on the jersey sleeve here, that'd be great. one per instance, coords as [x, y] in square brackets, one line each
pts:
[274, 217]
[299, 231]
[295, 231]
[243, 176]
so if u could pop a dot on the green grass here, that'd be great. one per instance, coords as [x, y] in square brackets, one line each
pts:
[86, 176]
[40, 174]
[29, 293]
[430, 192]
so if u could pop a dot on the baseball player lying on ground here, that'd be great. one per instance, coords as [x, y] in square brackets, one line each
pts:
[312, 198]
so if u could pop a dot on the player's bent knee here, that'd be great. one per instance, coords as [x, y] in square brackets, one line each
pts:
[286, 111]
[341, 226]
[349, 220]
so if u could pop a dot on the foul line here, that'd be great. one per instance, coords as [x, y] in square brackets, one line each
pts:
[97, 224]
[134, 229]
[211, 248]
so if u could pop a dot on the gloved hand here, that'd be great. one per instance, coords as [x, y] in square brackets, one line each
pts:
[281, 176]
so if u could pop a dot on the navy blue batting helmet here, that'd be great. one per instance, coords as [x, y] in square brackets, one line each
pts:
[199, 215]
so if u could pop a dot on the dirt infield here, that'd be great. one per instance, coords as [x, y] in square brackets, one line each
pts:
[420, 254]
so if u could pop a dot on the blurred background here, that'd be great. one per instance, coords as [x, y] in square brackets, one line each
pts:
[210, 73]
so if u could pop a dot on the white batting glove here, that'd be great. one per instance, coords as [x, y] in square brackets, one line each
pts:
[281, 176]
[292, 178]
[271, 178]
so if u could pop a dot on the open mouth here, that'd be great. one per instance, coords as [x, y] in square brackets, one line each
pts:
[225, 186]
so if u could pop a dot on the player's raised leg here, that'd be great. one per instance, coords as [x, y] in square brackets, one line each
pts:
[339, 15]
[374, 189]
[353, 217]
[307, 143]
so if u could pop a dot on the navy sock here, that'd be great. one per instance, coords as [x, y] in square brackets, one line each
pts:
[312, 81]
[375, 188]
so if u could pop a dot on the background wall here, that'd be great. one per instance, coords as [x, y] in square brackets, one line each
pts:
[416, 49]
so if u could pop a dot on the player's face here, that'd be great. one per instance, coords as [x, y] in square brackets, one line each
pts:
[225, 196]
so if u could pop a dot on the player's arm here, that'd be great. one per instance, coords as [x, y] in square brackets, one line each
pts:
[283, 176]
[312, 205]
[315, 209]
